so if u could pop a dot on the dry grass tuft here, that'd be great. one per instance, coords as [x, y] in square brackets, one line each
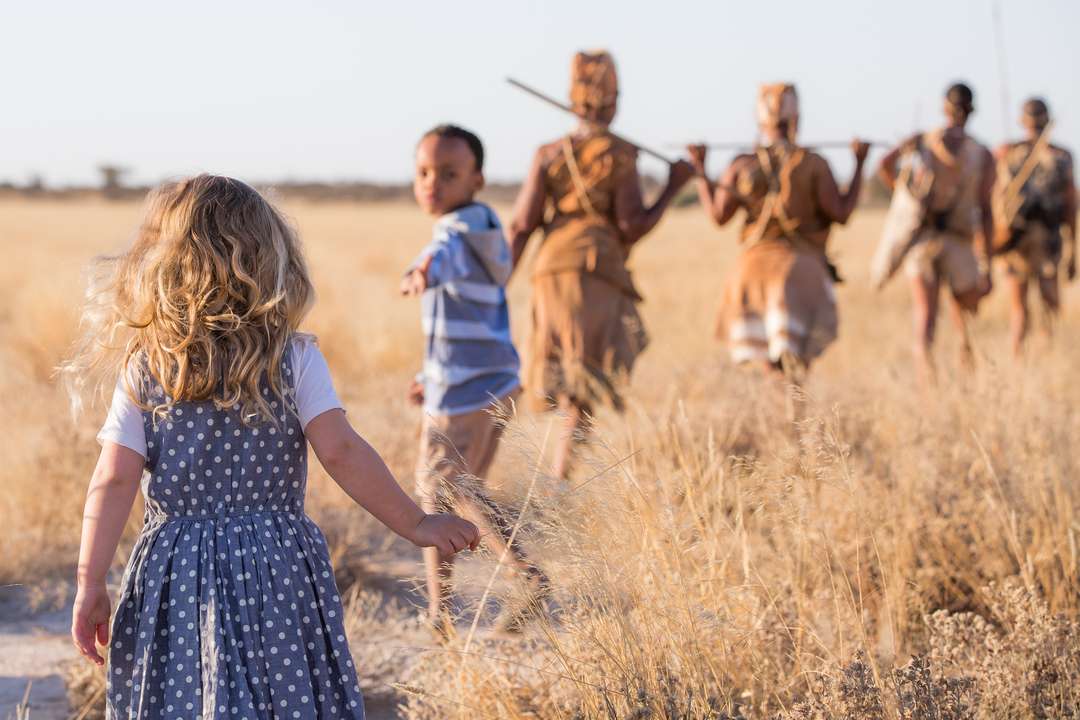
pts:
[86, 690]
[21, 711]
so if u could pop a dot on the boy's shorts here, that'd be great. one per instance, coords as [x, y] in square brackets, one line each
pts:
[456, 445]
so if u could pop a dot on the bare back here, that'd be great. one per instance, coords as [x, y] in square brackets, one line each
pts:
[582, 177]
[781, 190]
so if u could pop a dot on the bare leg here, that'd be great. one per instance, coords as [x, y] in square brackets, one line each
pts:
[438, 570]
[1048, 290]
[962, 307]
[575, 422]
[449, 486]
[495, 534]
[924, 298]
[964, 356]
[1018, 312]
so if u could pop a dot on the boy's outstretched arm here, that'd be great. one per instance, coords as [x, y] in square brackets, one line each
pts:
[415, 279]
[358, 469]
[109, 498]
[437, 265]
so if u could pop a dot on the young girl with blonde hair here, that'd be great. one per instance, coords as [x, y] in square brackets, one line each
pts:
[228, 606]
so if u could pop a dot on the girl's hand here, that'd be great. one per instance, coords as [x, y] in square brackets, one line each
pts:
[90, 620]
[448, 533]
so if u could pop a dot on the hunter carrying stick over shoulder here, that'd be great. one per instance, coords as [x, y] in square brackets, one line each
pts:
[779, 309]
[586, 329]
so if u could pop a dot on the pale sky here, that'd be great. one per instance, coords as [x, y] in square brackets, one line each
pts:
[271, 90]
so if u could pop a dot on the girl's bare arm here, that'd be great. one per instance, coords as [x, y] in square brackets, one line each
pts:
[108, 503]
[109, 498]
[358, 469]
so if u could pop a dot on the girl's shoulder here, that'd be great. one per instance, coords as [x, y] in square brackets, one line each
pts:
[300, 341]
[304, 357]
[301, 346]
[136, 379]
[312, 385]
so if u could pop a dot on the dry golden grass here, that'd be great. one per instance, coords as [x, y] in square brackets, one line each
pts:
[904, 554]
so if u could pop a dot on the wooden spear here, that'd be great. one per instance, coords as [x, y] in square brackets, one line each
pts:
[641, 148]
[825, 145]
[566, 108]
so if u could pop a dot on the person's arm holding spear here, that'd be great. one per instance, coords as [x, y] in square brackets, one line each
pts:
[889, 168]
[718, 199]
[634, 219]
[837, 205]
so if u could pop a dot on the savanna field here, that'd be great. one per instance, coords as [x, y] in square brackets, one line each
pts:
[904, 553]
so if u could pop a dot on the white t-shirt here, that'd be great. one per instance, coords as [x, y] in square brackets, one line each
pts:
[314, 395]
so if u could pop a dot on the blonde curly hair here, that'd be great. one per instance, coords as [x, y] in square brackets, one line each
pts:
[203, 303]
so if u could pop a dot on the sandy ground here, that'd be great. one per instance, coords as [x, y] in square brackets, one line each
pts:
[34, 647]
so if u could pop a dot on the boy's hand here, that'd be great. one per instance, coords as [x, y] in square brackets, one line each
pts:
[415, 393]
[90, 620]
[414, 282]
[449, 533]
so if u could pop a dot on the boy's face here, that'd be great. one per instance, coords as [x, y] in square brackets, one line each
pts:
[446, 175]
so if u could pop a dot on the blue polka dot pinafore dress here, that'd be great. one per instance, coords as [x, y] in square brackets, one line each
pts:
[229, 607]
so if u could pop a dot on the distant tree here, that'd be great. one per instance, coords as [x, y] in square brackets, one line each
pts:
[111, 176]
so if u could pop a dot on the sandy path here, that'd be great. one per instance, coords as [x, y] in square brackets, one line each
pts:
[34, 647]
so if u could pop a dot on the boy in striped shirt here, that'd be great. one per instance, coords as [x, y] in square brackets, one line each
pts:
[470, 365]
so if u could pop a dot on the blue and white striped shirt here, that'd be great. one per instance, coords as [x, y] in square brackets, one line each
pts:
[469, 359]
